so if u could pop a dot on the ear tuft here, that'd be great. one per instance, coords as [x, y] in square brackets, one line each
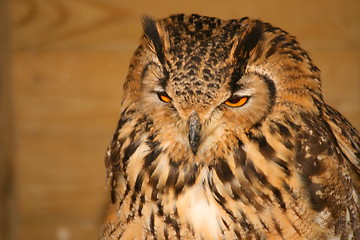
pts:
[248, 41]
[152, 35]
[252, 37]
[240, 52]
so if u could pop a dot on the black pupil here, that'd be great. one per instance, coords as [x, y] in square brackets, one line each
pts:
[162, 94]
[234, 100]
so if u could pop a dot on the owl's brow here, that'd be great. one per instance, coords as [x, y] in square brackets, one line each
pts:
[146, 68]
[237, 87]
[162, 79]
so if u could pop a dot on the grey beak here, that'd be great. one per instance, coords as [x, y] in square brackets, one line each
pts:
[194, 132]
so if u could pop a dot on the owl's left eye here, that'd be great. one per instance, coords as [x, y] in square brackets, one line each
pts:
[164, 97]
[237, 101]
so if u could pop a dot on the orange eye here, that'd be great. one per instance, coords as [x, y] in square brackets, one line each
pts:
[164, 97]
[236, 101]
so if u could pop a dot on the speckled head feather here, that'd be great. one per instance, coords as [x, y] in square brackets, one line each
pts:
[224, 134]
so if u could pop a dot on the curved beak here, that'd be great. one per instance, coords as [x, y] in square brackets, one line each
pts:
[194, 132]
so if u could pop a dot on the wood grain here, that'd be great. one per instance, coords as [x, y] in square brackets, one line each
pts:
[64, 124]
[68, 59]
[7, 201]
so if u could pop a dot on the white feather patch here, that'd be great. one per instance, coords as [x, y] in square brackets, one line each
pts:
[200, 213]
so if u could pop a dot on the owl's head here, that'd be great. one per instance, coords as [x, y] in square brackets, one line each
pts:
[200, 78]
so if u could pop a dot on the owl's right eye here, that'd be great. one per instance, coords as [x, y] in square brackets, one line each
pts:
[164, 97]
[237, 101]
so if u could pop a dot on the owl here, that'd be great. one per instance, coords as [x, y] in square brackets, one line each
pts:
[224, 134]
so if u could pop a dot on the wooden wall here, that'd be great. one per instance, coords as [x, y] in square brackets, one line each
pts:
[63, 75]
[7, 184]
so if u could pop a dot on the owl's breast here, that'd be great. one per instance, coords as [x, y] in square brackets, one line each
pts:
[200, 212]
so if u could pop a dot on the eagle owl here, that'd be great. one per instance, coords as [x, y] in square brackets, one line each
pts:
[224, 134]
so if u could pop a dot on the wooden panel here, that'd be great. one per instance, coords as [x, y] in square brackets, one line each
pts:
[68, 62]
[7, 203]
[110, 24]
[64, 124]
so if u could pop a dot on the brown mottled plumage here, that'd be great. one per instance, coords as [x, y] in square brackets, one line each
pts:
[224, 134]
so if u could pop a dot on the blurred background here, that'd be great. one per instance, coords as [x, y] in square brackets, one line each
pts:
[62, 66]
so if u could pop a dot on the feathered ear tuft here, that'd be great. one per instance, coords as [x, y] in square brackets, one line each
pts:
[154, 36]
[246, 43]
[252, 37]
[240, 53]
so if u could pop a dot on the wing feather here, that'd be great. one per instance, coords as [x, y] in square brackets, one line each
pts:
[348, 139]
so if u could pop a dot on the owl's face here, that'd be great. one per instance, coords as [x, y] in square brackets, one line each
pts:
[205, 86]
[205, 115]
